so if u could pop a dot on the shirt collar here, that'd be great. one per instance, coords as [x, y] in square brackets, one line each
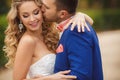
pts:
[62, 24]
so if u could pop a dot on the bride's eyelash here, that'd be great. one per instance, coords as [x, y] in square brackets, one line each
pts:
[36, 12]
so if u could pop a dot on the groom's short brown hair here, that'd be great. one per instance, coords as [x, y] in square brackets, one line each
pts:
[69, 5]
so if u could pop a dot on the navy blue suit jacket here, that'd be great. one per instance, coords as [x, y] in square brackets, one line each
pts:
[81, 55]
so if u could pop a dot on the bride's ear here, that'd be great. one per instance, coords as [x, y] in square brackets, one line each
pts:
[63, 14]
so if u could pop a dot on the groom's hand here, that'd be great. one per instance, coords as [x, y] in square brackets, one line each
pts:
[62, 75]
[58, 76]
[39, 77]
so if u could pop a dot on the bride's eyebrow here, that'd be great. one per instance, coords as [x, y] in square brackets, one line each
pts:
[36, 9]
[32, 11]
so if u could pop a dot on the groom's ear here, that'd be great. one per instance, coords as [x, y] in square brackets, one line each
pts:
[63, 14]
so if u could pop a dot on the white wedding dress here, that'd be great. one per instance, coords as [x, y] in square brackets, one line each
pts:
[44, 66]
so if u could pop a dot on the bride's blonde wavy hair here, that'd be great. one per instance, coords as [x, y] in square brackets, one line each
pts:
[13, 34]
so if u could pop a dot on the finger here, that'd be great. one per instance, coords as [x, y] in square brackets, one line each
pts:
[69, 77]
[83, 29]
[87, 27]
[64, 72]
[73, 25]
[79, 27]
[67, 25]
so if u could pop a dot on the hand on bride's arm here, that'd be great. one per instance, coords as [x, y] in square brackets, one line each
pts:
[58, 76]
[61, 76]
[80, 20]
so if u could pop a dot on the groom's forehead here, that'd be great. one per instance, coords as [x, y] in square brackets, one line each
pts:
[48, 3]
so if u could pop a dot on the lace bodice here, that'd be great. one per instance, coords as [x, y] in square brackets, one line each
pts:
[44, 66]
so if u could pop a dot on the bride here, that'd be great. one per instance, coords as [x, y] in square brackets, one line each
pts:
[30, 44]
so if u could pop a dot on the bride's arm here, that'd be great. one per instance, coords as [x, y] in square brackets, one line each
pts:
[23, 58]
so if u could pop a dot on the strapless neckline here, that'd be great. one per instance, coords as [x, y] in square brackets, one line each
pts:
[44, 66]
[41, 59]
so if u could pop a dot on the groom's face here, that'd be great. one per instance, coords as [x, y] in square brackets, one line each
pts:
[49, 10]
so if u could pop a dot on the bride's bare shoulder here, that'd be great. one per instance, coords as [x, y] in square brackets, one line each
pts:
[27, 40]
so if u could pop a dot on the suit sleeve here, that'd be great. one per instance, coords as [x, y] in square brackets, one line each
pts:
[79, 51]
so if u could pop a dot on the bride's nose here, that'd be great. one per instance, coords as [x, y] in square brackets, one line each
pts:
[32, 18]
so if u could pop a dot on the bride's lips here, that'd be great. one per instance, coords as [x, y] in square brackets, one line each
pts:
[34, 24]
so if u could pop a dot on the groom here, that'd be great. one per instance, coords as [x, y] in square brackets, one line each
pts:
[78, 52]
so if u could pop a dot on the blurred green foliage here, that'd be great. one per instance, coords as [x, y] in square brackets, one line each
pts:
[3, 24]
[4, 6]
[104, 19]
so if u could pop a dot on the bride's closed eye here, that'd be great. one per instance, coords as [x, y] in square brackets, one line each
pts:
[36, 12]
[25, 16]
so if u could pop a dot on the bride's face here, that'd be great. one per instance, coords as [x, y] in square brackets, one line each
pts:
[30, 15]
